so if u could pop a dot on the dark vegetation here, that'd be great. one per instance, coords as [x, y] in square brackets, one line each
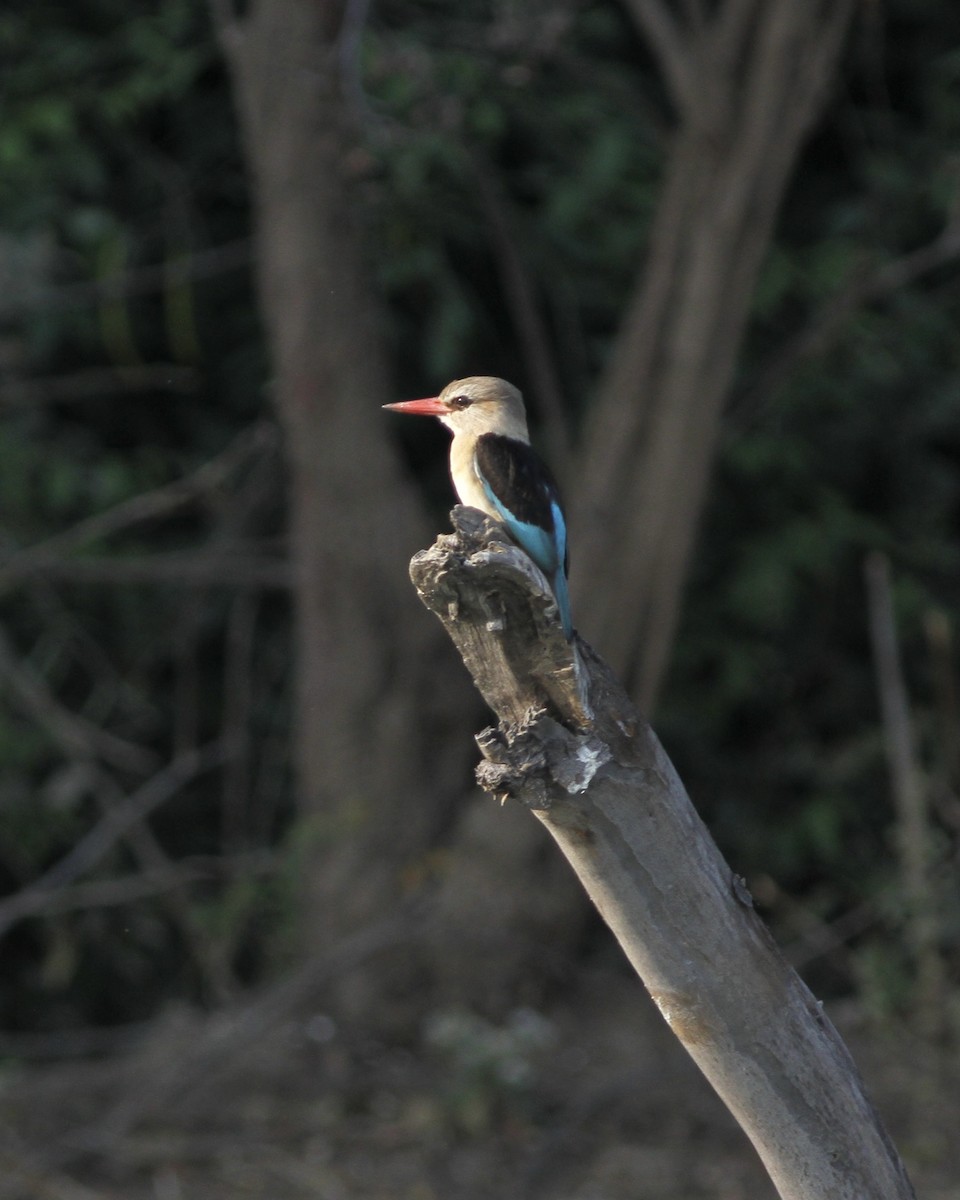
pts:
[154, 840]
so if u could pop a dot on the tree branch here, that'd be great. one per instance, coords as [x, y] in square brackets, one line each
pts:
[650, 436]
[571, 747]
[659, 26]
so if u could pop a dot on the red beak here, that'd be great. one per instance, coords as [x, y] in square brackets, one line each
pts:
[428, 407]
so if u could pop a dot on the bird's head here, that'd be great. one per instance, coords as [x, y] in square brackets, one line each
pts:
[478, 404]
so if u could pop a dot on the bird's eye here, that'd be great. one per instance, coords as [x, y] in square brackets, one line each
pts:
[460, 402]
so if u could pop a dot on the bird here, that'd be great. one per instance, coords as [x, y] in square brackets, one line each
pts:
[494, 468]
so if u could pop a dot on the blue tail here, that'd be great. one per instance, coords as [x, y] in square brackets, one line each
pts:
[563, 601]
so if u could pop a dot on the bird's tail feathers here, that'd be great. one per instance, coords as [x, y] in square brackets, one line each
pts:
[562, 596]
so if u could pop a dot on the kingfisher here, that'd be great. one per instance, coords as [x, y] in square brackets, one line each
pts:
[494, 468]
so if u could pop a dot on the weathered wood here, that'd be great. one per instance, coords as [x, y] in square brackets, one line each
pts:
[572, 748]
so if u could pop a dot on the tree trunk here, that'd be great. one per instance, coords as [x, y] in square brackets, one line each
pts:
[365, 660]
[572, 748]
[747, 84]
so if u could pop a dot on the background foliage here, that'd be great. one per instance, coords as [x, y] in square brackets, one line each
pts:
[131, 354]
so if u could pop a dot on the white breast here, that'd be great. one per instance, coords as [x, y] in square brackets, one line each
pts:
[465, 481]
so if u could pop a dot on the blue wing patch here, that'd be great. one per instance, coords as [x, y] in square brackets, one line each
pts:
[523, 494]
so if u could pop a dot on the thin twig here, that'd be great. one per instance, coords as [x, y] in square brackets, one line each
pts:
[238, 692]
[142, 281]
[77, 737]
[98, 381]
[99, 840]
[909, 797]
[245, 566]
[169, 876]
[212, 966]
[829, 321]
[158, 502]
[940, 644]
[65, 635]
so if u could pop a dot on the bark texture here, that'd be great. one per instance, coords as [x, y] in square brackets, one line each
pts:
[747, 82]
[571, 747]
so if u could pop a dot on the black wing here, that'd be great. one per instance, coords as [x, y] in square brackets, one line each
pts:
[521, 486]
[518, 478]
